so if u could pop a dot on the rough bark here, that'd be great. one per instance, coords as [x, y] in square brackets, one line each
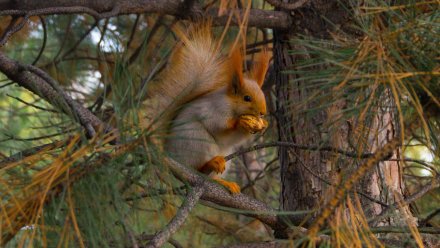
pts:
[300, 190]
[385, 181]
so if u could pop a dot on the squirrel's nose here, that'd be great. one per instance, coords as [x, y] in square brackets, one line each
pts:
[262, 114]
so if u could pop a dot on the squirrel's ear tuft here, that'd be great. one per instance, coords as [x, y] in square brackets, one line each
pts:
[259, 69]
[237, 68]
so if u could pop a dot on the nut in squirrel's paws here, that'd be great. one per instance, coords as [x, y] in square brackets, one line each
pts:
[252, 123]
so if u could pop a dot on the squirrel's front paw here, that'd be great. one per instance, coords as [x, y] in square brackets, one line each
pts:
[231, 186]
[252, 123]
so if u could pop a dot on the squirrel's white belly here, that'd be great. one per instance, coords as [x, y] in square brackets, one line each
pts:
[230, 142]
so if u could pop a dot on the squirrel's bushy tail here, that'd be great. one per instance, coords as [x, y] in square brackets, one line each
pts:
[195, 68]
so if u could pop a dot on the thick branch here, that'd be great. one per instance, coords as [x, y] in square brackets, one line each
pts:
[218, 195]
[100, 9]
[287, 6]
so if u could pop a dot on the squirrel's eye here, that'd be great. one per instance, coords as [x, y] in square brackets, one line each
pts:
[247, 98]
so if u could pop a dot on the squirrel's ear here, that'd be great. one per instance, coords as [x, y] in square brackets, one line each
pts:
[259, 69]
[237, 69]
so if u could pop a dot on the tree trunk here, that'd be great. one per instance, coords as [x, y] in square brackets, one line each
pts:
[301, 189]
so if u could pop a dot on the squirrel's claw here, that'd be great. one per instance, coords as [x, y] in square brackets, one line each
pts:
[252, 124]
[231, 186]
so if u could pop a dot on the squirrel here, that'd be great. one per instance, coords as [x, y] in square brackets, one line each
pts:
[208, 104]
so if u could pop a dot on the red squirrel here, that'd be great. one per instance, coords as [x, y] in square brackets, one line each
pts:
[207, 105]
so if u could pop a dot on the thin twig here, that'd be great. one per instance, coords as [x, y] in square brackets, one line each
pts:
[6, 85]
[331, 184]
[32, 105]
[429, 217]
[298, 146]
[10, 137]
[73, 48]
[43, 46]
[418, 161]
[339, 195]
[133, 31]
[63, 42]
[12, 28]
[257, 44]
[395, 229]
[130, 234]
[435, 183]
[32, 151]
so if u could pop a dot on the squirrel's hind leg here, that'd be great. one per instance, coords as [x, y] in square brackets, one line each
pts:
[217, 164]
[231, 186]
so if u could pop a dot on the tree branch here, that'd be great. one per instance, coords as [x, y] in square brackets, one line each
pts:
[287, 6]
[13, 28]
[101, 9]
[43, 46]
[397, 229]
[412, 198]
[40, 83]
[162, 237]
[298, 146]
[218, 195]
[145, 236]
[429, 217]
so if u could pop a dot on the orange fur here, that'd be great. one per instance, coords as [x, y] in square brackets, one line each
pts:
[231, 186]
[259, 70]
[232, 124]
[237, 65]
[217, 164]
